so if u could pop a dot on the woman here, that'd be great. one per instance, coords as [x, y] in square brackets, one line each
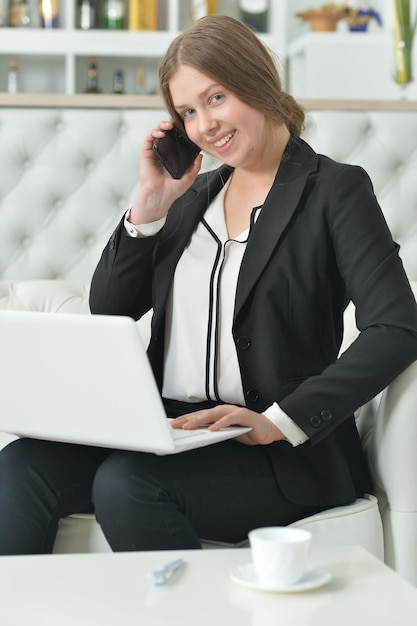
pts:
[248, 270]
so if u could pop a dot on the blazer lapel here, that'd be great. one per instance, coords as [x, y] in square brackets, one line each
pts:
[298, 162]
[182, 220]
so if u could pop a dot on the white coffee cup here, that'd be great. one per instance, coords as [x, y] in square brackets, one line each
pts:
[280, 554]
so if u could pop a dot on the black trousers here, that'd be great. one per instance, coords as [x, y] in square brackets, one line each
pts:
[142, 501]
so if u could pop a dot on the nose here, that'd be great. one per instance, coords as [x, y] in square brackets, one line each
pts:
[206, 123]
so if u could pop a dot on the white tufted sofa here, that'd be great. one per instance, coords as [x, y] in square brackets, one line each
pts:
[68, 174]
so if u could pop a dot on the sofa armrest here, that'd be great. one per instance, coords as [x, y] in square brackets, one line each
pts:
[393, 462]
[393, 455]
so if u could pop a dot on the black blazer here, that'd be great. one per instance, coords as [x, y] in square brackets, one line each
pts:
[320, 241]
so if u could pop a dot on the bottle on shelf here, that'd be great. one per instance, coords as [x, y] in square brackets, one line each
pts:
[114, 17]
[92, 77]
[254, 13]
[87, 16]
[13, 76]
[49, 13]
[143, 15]
[118, 82]
[19, 13]
[200, 8]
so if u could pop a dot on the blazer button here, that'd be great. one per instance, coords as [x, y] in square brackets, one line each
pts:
[243, 343]
[326, 415]
[252, 395]
[315, 421]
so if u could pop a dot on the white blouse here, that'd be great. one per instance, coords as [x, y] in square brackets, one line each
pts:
[200, 355]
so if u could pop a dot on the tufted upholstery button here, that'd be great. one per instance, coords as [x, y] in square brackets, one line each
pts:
[252, 395]
[326, 415]
[122, 127]
[27, 163]
[89, 240]
[59, 126]
[315, 421]
[243, 343]
[89, 165]
[25, 242]
[58, 204]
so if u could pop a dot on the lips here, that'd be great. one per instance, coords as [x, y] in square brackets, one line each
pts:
[223, 141]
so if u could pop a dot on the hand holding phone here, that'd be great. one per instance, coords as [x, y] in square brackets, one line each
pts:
[175, 152]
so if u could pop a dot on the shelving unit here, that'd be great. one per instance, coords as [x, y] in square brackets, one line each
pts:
[56, 61]
[346, 65]
[313, 65]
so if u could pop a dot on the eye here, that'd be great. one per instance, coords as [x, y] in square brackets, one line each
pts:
[216, 98]
[187, 113]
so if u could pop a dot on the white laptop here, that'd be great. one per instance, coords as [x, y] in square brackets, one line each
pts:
[85, 379]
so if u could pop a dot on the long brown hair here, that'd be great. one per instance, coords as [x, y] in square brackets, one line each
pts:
[231, 54]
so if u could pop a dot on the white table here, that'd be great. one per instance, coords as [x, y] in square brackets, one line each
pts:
[104, 589]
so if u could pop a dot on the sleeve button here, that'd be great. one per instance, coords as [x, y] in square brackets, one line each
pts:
[315, 421]
[326, 415]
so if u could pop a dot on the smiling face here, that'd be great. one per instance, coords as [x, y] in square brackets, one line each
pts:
[218, 121]
[229, 52]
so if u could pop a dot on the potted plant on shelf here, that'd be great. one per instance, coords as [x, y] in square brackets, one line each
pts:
[359, 19]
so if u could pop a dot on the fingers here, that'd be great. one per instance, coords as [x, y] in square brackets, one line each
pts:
[263, 430]
[229, 415]
[157, 133]
[161, 129]
[197, 419]
[216, 418]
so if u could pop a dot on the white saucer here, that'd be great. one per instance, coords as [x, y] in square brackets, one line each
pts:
[313, 578]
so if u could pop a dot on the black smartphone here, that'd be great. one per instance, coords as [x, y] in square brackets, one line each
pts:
[176, 152]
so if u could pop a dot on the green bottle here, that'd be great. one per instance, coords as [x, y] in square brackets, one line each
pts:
[254, 13]
[114, 17]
